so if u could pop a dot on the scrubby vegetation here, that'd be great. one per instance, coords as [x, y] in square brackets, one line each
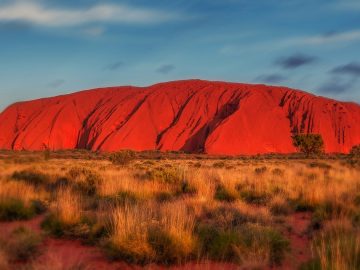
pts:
[168, 211]
[309, 144]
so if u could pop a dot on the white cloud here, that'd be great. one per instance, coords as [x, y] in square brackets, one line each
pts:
[343, 37]
[36, 13]
[300, 41]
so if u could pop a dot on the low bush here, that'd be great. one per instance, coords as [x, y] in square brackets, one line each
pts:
[219, 164]
[15, 209]
[85, 180]
[224, 194]
[242, 242]
[279, 206]
[260, 170]
[252, 196]
[167, 175]
[123, 157]
[168, 248]
[31, 176]
[355, 151]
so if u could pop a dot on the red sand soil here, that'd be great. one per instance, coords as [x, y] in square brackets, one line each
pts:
[193, 115]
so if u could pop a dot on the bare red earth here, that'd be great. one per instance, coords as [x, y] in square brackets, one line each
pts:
[193, 115]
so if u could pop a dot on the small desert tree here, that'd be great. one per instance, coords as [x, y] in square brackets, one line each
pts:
[355, 151]
[309, 144]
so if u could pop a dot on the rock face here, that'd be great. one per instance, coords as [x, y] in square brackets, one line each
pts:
[193, 116]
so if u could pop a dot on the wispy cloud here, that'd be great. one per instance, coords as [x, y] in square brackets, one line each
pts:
[114, 66]
[337, 85]
[343, 79]
[352, 69]
[56, 83]
[327, 38]
[271, 78]
[165, 69]
[35, 12]
[295, 61]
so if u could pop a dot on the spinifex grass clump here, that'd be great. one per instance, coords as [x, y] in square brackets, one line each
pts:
[19, 200]
[31, 176]
[243, 243]
[66, 215]
[145, 233]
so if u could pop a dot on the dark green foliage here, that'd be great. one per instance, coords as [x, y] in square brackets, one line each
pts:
[14, 209]
[321, 165]
[278, 208]
[260, 170]
[84, 180]
[300, 205]
[47, 154]
[218, 244]
[86, 230]
[254, 197]
[123, 157]
[167, 175]
[186, 188]
[219, 164]
[167, 249]
[222, 194]
[225, 244]
[355, 151]
[31, 176]
[309, 144]
[164, 197]
[53, 225]
[313, 264]
[128, 255]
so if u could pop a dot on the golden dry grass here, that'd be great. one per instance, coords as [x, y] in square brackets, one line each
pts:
[149, 206]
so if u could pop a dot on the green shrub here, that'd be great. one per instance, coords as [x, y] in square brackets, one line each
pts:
[300, 205]
[355, 151]
[85, 180]
[185, 187]
[123, 157]
[167, 175]
[309, 144]
[236, 243]
[138, 254]
[254, 197]
[86, 229]
[280, 208]
[219, 164]
[223, 194]
[31, 176]
[14, 209]
[218, 244]
[169, 250]
[260, 170]
[164, 196]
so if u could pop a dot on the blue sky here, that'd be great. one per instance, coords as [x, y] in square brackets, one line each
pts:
[50, 47]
